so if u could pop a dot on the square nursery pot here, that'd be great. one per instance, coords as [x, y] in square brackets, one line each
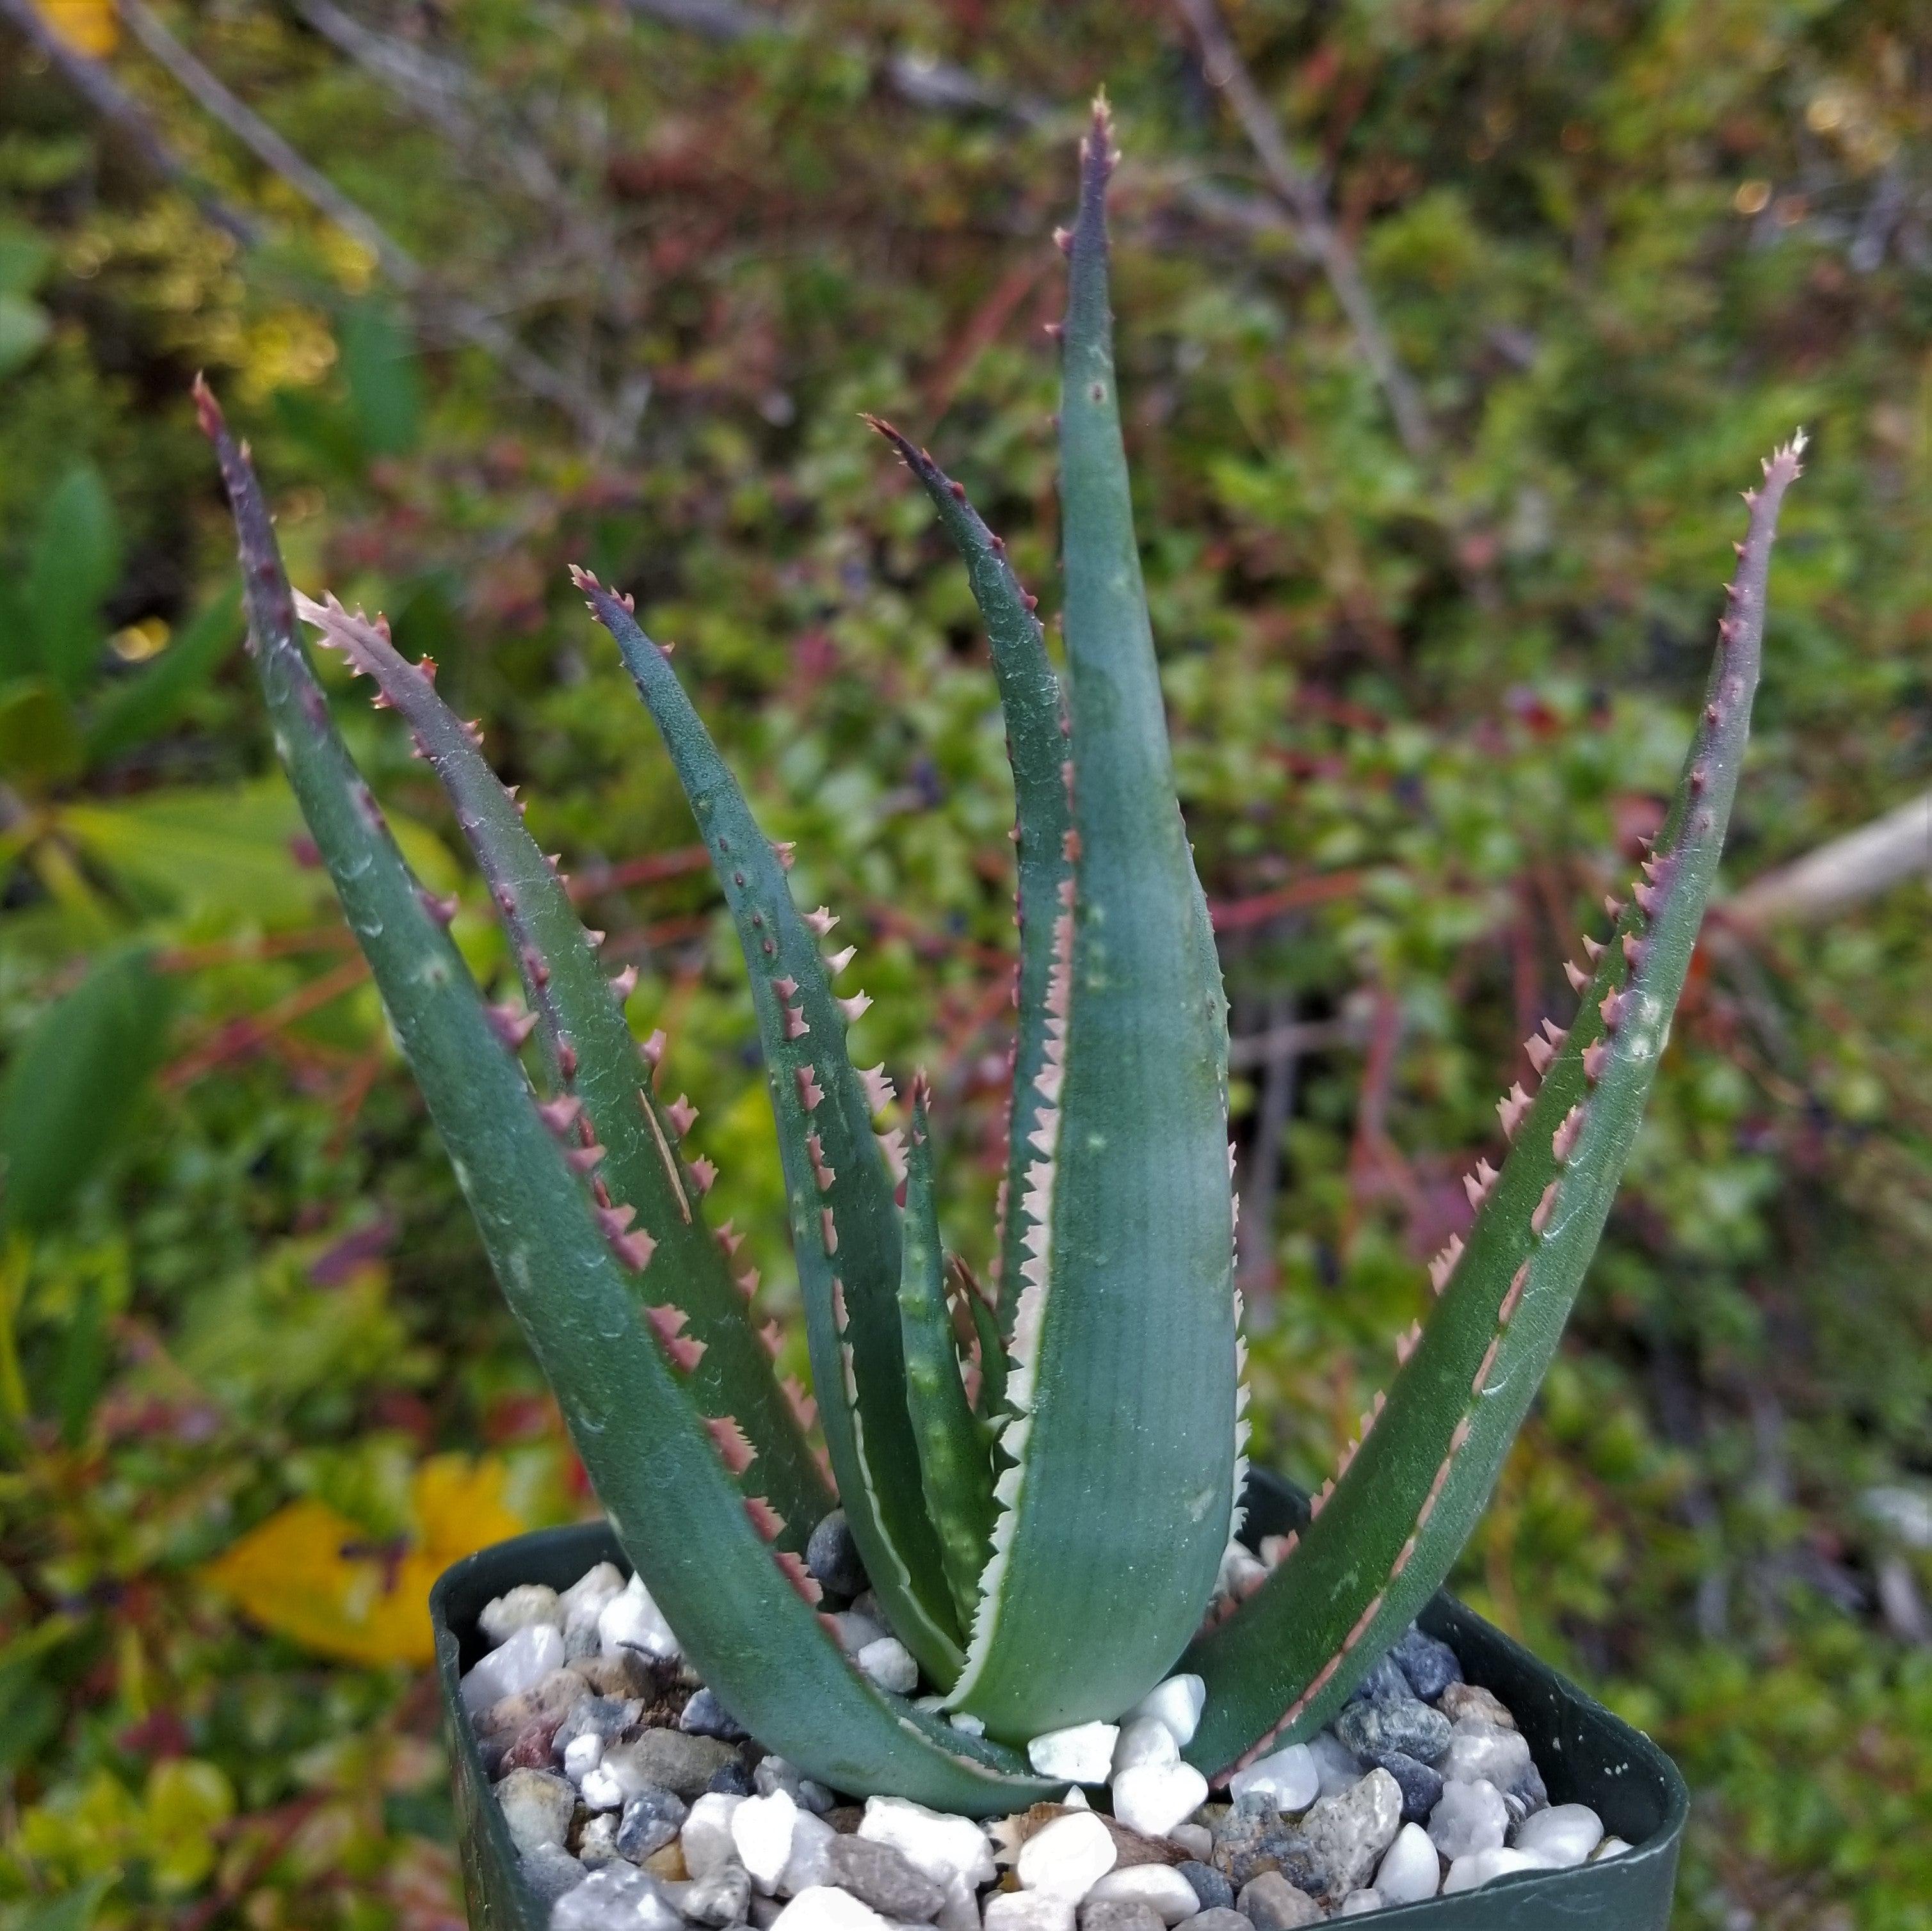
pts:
[1586, 1754]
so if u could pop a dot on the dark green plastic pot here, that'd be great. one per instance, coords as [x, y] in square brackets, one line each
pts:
[1585, 1754]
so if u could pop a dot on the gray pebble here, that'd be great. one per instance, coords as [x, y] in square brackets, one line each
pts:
[879, 1875]
[1270, 1902]
[1373, 1729]
[1219, 1918]
[550, 1870]
[597, 1840]
[1252, 1839]
[704, 1715]
[1288, 1853]
[1349, 1833]
[619, 1897]
[1382, 1684]
[624, 1673]
[732, 1778]
[832, 1556]
[537, 1806]
[606, 1716]
[1113, 1914]
[651, 1820]
[1528, 1794]
[776, 1773]
[1430, 1665]
[1421, 1787]
[1214, 1891]
[670, 1759]
[721, 1897]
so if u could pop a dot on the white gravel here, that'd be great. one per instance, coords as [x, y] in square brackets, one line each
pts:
[1083, 1753]
[519, 1663]
[1153, 1797]
[1290, 1780]
[1067, 1857]
[1177, 1703]
[1566, 1835]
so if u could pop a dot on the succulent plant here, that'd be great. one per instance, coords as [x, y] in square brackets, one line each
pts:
[1044, 1511]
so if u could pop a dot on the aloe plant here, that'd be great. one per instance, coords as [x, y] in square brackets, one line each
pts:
[1044, 1511]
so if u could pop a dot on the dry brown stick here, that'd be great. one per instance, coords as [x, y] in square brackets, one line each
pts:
[917, 79]
[1300, 193]
[462, 318]
[103, 93]
[267, 146]
[1856, 867]
[1280, 1064]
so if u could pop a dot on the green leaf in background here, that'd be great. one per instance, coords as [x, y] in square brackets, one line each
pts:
[81, 1369]
[24, 259]
[379, 362]
[24, 325]
[321, 428]
[72, 1910]
[233, 851]
[73, 1084]
[40, 741]
[230, 849]
[76, 562]
[138, 707]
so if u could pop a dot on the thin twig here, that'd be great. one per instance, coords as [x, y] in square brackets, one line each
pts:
[918, 79]
[236, 1039]
[1302, 196]
[1235, 915]
[103, 93]
[1280, 1063]
[1294, 1038]
[1858, 866]
[463, 319]
[268, 147]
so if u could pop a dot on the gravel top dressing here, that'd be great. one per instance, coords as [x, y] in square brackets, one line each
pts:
[636, 1803]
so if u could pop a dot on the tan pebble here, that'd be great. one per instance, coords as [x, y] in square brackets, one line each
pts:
[668, 1863]
[1471, 1699]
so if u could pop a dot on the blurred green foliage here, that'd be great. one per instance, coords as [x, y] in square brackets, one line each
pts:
[1424, 702]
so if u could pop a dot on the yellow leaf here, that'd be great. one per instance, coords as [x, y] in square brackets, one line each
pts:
[311, 1573]
[87, 26]
[187, 1802]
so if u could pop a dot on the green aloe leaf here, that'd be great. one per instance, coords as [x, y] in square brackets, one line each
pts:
[743, 1611]
[651, 1194]
[1036, 748]
[992, 1345]
[954, 1466]
[1117, 1503]
[844, 1222]
[1408, 1493]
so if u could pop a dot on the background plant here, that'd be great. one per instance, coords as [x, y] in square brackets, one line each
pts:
[1620, 253]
